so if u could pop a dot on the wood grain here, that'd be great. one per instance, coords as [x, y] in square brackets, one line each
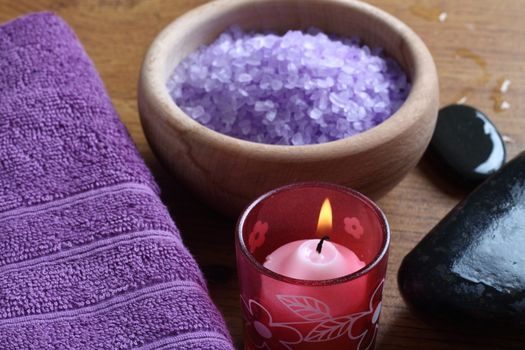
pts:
[116, 35]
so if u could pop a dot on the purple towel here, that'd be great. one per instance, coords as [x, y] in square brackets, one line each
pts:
[89, 256]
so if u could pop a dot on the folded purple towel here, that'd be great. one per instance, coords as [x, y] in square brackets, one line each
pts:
[89, 256]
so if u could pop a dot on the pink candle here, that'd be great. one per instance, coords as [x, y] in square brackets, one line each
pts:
[301, 259]
[311, 259]
[304, 288]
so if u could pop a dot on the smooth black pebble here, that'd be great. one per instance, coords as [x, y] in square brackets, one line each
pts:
[472, 264]
[467, 144]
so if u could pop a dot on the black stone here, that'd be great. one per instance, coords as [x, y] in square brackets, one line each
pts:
[472, 264]
[467, 144]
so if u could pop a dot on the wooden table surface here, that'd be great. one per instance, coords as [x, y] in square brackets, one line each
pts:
[480, 43]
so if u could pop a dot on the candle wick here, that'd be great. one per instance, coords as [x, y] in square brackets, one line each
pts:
[320, 245]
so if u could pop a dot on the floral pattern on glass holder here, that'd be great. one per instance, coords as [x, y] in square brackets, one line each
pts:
[316, 312]
[285, 313]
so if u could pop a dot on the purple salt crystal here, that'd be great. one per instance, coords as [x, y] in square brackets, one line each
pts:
[295, 89]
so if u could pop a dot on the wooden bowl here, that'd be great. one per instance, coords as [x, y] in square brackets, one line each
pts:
[229, 173]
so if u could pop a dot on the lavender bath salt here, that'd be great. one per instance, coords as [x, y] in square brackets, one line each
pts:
[299, 88]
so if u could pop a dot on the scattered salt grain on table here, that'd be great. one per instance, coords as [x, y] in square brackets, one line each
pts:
[299, 88]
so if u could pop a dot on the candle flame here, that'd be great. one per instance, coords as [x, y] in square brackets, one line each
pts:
[324, 225]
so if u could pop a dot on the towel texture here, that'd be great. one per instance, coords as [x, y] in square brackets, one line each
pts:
[89, 257]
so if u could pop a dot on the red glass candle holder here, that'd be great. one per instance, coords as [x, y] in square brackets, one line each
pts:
[281, 312]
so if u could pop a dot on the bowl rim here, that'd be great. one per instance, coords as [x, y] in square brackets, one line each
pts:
[152, 88]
